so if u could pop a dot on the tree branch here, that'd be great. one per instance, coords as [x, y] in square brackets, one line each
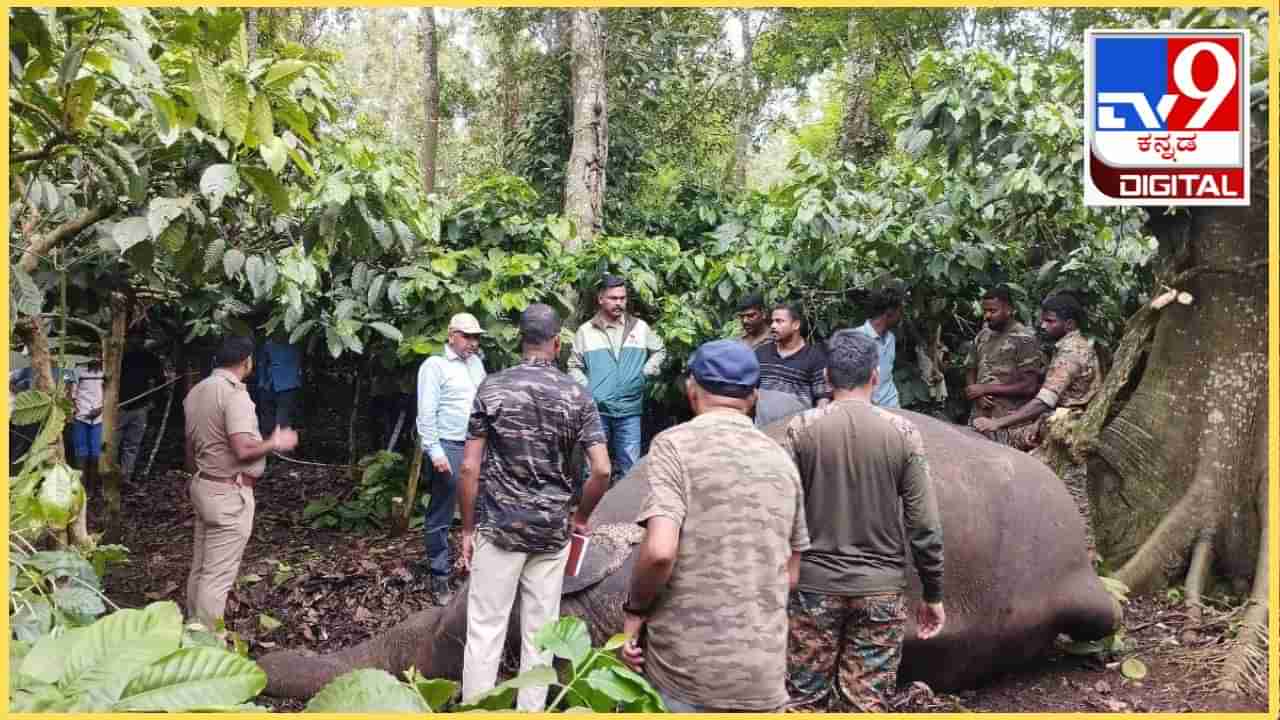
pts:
[68, 229]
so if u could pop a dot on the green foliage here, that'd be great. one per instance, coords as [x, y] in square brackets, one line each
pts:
[384, 476]
[598, 682]
[131, 660]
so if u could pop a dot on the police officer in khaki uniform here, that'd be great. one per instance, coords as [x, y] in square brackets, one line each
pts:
[226, 455]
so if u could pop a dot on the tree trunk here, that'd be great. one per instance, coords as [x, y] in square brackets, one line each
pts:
[508, 95]
[1175, 457]
[401, 524]
[855, 126]
[430, 96]
[736, 173]
[251, 32]
[585, 176]
[108, 463]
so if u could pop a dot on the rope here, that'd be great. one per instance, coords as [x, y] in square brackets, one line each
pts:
[308, 463]
[164, 424]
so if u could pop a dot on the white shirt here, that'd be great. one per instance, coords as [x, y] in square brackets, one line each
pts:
[446, 389]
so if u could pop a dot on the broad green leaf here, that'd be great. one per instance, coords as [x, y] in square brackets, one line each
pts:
[79, 601]
[620, 689]
[32, 620]
[445, 265]
[334, 342]
[435, 692]
[561, 229]
[209, 90]
[567, 638]
[301, 161]
[266, 184]
[194, 677]
[263, 121]
[47, 660]
[217, 182]
[301, 330]
[387, 331]
[232, 262]
[284, 71]
[116, 647]
[236, 115]
[382, 233]
[274, 153]
[615, 642]
[503, 696]
[365, 691]
[30, 407]
[79, 100]
[130, 232]
[30, 299]
[376, 287]
[268, 623]
[336, 192]
[174, 237]
[163, 211]
[61, 496]
[255, 269]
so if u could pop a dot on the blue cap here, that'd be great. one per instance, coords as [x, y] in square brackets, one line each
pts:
[726, 367]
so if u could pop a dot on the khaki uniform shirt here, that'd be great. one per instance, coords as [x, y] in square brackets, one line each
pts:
[737, 499]
[217, 408]
[997, 357]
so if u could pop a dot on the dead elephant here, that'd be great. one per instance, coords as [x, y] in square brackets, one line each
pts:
[1016, 576]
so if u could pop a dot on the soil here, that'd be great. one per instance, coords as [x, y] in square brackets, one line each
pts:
[328, 589]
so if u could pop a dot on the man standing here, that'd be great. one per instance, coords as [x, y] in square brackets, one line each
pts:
[1003, 371]
[225, 454]
[864, 472]
[86, 427]
[724, 518]
[791, 365]
[279, 378]
[754, 320]
[524, 426]
[446, 389]
[614, 355]
[886, 313]
[140, 371]
[1071, 382]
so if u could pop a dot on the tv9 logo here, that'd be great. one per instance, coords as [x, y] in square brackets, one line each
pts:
[1166, 117]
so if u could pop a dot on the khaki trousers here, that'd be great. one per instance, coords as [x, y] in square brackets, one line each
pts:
[495, 575]
[224, 521]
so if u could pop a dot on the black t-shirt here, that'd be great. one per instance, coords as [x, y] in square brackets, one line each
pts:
[799, 374]
[139, 371]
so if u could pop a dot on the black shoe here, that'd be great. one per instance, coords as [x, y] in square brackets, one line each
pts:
[440, 588]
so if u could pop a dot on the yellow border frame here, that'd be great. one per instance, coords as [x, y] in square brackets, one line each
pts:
[1273, 275]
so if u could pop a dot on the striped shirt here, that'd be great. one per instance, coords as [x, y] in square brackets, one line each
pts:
[800, 374]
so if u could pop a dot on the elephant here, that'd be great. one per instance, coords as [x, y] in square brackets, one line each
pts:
[1017, 574]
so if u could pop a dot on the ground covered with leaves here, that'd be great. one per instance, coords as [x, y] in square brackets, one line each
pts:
[328, 589]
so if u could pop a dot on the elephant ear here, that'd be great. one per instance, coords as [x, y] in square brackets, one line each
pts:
[611, 544]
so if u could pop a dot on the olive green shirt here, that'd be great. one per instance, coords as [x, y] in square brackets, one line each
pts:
[864, 472]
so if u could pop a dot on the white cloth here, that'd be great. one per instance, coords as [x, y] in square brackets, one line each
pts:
[88, 395]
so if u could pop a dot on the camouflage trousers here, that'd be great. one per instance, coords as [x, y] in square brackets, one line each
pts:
[1076, 477]
[843, 652]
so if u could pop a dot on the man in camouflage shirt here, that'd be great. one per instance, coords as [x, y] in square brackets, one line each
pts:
[1073, 379]
[864, 473]
[724, 522]
[1003, 371]
[525, 423]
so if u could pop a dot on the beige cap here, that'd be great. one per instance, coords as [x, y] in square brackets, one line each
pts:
[465, 323]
